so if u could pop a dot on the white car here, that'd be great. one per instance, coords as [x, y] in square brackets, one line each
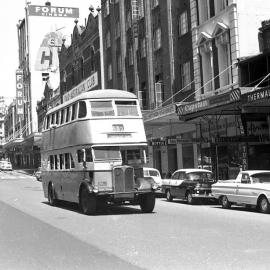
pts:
[250, 188]
[153, 173]
[5, 165]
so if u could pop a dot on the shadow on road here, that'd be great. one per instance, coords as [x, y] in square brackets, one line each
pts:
[103, 211]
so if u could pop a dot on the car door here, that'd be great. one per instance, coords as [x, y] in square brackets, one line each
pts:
[243, 190]
[247, 193]
[173, 184]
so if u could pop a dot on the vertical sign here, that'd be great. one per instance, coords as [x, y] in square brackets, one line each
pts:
[244, 155]
[19, 93]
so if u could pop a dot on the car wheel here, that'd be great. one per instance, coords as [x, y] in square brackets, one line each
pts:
[169, 197]
[88, 202]
[264, 206]
[190, 198]
[225, 202]
[147, 202]
[52, 196]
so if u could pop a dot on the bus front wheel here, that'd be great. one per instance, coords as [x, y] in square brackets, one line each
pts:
[88, 202]
[147, 202]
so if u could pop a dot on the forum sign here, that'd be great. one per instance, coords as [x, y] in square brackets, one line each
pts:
[49, 11]
[19, 92]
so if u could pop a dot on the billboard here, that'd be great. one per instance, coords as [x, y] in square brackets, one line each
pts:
[49, 11]
[48, 27]
[19, 93]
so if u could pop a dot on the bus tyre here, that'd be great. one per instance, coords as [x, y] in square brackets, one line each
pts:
[88, 202]
[147, 202]
[52, 196]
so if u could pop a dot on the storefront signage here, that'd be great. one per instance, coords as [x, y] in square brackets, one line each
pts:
[258, 95]
[192, 107]
[49, 11]
[19, 92]
[84, 86]
[148, 116]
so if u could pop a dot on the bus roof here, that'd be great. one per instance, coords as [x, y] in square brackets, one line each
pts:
[97, 94]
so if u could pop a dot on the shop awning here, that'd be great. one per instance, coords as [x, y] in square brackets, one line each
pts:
[228, 103]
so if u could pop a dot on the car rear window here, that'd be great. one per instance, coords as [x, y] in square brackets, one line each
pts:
[261, 178]
[199, 175]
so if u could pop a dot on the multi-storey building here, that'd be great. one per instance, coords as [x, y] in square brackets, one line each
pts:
[2, 125]
[40, 36]
[148, 51]
[222, 33]
[80, 68]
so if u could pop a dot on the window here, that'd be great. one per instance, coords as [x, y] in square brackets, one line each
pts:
[61, 161]
[142, 96]
[88, 155]
[128, 20]
[154, 3]
[74, 111]
[108, 40]
[67, 161]
[55, 162]
[106, 153]
[117, 29]
[51, 162]
[185, 76]
[126, 108]
[48, 122]
[119, 63]
[82, 109]
[143, 47]
[57, 118]
[157, 39]
[107, 8]
[102, 108]
[67, 113]
[141, 8]
[183, 23]
[52, 118]
[109, 72]
[130, 55]
[62, 117]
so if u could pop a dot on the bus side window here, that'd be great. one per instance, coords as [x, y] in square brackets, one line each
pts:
[80, 155]
[61, 161]
[74, 111]
[52, 119]
[57, 118]
[51, 162]
[48, 122]
[62, 117]
[55, 162]
[72, 164]
[67, 114]
[88, 154]
[67, 161]
[82, 109]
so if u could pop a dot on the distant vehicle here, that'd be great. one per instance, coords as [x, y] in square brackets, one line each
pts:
[250, 188]
[37, 174]
[5, 165]
[154, 173]
[189, 184]
[94, 152]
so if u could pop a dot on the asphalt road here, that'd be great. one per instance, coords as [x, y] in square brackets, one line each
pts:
[34, 235]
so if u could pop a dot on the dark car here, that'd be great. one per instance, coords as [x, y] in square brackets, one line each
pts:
[189, 184]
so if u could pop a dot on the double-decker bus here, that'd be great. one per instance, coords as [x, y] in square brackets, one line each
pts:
[93, 151]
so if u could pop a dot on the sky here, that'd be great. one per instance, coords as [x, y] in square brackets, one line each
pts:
[12, 12]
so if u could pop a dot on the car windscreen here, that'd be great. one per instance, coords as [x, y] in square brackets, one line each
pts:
[199, 175]
[261, 178]
[153, 173]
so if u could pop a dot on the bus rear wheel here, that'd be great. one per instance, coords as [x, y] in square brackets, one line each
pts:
[88, 202]
[52, 196]
[147, 202]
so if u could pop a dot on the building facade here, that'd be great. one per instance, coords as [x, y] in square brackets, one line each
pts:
[38, 65]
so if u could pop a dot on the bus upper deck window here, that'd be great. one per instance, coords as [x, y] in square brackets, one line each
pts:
[126, 108]
[74, 111]
[102, 108]
[67, 114]
[62, 117]
[48, 122]
[82, 109]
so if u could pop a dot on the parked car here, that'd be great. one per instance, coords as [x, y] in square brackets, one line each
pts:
[154, 173]
[37, 174]
[250, 188]
[5, 165]
[189, 184]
